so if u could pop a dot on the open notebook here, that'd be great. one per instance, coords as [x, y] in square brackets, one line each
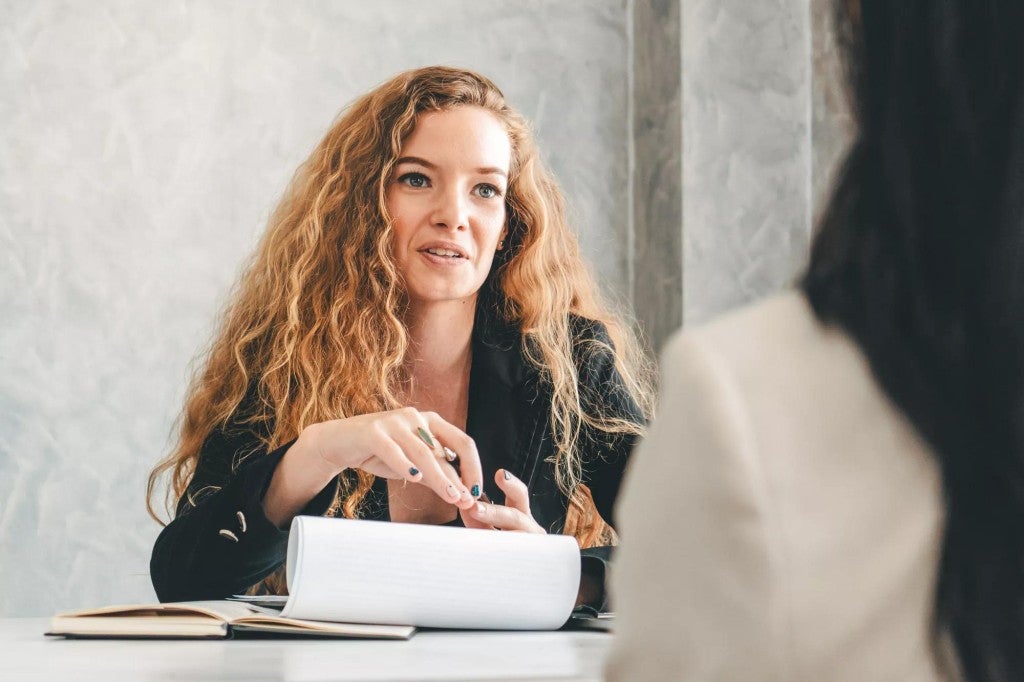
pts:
[205, 619]
[352, 578]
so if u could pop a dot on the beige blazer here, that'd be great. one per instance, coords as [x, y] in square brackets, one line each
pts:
[782, 520]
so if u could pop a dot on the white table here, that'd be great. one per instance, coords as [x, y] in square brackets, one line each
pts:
[25, 654]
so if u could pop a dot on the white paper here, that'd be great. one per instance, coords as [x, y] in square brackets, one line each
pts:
[429, 576]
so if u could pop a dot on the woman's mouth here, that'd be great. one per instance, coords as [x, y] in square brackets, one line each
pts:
[443, 257]
[444, 253]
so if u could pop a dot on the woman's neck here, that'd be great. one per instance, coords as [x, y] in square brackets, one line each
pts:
[439, 353]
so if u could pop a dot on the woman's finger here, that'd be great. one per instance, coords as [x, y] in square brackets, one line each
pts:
[517, 495]
[417, 449]
[471, 521]
[453, 475]
[448, 459]
[389, 460]
[504, 518]
[380, 469]
[470, 470]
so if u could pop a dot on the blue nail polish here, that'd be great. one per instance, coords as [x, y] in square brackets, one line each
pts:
[475, 490]
[413, 471]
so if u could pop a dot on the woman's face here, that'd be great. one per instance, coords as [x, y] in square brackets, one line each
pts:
[447, 200]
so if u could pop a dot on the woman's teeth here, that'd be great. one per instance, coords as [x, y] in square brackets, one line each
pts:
[444, 252]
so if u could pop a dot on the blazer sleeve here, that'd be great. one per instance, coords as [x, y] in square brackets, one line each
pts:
[220, 542]
[693, 580]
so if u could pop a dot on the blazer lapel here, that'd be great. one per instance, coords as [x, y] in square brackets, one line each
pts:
[501, 415]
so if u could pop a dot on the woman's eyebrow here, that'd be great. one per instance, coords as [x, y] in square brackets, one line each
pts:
[415, 159]
[485, 170]
[491, 170]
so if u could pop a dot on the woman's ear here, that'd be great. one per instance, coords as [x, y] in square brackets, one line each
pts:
[501, 238]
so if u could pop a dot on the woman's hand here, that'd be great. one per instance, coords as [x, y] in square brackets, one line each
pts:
[403, 443]
[513, 515]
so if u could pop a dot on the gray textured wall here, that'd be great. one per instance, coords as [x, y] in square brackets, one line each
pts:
[747, 82]
[657, 273]
[765, 120]
[142, 146]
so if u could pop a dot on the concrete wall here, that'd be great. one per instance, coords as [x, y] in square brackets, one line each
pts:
[143, 145]
[746, 155]
[765, 121]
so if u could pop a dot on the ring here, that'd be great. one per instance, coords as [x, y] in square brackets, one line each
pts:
[449, 454]
[425, 436]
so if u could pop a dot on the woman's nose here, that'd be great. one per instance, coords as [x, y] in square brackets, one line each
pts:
[451, 211]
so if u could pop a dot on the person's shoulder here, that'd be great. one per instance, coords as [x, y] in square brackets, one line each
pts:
[583, 330]
[773, 347]
[781, 312]
[784, 322]
[593, 348]
[587, 329]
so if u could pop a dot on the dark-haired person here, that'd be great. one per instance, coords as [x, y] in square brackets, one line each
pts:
[834, 488]
[418, 296]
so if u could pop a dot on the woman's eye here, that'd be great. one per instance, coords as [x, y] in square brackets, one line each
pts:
[487, 191]
[414, 180]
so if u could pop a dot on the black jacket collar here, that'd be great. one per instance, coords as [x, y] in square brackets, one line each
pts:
[504, 412]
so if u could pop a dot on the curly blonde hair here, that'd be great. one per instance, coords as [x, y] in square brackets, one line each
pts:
[314, 328]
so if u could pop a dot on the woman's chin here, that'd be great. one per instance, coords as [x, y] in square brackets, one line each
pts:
[440, 296]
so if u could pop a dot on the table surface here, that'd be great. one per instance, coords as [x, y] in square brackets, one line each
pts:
[434, 655]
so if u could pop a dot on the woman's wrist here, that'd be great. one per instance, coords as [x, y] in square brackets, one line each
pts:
[301, 474]
[310, 457]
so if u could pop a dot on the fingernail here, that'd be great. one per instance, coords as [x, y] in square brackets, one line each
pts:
[475, 490]
[453, 491]
[507, 474]
[413, 471]
[465, 495]
[425, 436]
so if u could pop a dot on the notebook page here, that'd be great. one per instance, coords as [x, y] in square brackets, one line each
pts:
[429, 576]
[222, 610]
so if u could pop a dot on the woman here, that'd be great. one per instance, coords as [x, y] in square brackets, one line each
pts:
[835, 490]
[416, 335]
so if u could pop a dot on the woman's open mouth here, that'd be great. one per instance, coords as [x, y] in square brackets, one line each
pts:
[444, 255]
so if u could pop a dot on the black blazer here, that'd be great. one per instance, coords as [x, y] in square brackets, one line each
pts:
[220, 542]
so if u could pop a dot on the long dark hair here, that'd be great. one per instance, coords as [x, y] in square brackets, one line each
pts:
[920, 258]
